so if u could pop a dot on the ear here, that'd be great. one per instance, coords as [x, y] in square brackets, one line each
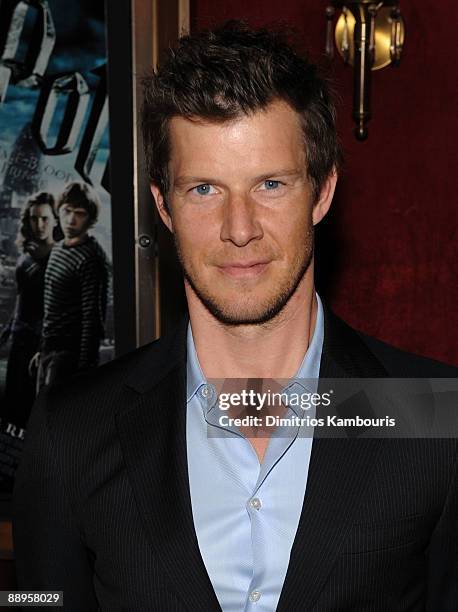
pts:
[323, 203]
[161, 207]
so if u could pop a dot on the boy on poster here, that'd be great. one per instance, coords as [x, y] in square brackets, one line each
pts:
[75, 294]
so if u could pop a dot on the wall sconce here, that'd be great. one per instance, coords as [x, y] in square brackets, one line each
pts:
[369, 36]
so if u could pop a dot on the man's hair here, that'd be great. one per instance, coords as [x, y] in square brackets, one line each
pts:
[25, 234]
[234, 70]
[81, 195]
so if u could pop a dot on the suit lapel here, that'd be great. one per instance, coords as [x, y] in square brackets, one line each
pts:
[153, 438]
[339, 471]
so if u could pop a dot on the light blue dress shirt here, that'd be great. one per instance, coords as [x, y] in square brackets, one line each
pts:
[245, 513]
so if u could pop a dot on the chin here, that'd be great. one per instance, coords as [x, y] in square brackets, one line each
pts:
[232, 311]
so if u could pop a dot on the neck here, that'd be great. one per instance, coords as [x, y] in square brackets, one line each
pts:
[270, 350]
[76, 240]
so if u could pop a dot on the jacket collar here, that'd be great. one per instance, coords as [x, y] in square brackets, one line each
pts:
[156, 360]
[344, 352]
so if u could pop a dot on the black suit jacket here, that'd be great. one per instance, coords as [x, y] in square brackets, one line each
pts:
[103, 511]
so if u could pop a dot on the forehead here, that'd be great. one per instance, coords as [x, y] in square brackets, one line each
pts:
[267, 138]
[41, 210]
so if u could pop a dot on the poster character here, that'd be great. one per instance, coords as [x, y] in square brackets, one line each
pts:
[36, 236]
[75, 293]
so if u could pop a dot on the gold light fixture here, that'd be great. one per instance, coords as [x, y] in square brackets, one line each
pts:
[368, 36]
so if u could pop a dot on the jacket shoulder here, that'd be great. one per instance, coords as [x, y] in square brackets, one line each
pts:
[403, 364]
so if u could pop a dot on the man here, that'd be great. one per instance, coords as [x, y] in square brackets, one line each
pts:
[141, 500]
[35, 239]
[75, 294]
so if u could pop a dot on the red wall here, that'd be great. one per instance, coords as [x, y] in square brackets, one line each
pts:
[387, 253]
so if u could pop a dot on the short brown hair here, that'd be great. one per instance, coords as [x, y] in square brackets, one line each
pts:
[81, 195]
[230, 71]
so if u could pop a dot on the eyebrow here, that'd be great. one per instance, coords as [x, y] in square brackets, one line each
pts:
[74, 208]
[186, 180]
[180, 181]
[279, 173]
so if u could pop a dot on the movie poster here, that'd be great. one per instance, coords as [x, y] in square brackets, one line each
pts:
[56, 307]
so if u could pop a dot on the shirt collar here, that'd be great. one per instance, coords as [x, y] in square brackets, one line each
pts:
[195, 377]
[309, 368]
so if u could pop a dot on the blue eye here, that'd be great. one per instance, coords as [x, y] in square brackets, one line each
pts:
[271, 184]
[203, 189]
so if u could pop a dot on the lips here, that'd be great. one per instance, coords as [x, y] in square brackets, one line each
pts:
[244, 269]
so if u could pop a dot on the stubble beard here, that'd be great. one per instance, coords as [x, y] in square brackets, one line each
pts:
[271, 309]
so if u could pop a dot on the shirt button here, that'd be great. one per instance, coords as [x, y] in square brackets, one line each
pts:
[255, 596]
[206, 391]
[255, 503]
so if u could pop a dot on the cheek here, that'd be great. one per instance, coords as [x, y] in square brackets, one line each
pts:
[195, 236]
[289, 230]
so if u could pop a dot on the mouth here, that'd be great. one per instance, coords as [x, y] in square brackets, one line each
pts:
[244, 269]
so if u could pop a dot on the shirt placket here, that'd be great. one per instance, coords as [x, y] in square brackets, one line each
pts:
[258, 508]
[257, 503]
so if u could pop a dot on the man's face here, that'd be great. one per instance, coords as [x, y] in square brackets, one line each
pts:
[241, 211]
[74, 221]
[42, 222]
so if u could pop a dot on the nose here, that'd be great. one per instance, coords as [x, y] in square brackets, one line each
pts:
[71, 218]
[240, 223]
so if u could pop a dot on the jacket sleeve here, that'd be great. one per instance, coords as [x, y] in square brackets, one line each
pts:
[443, 555]
[49, 551]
